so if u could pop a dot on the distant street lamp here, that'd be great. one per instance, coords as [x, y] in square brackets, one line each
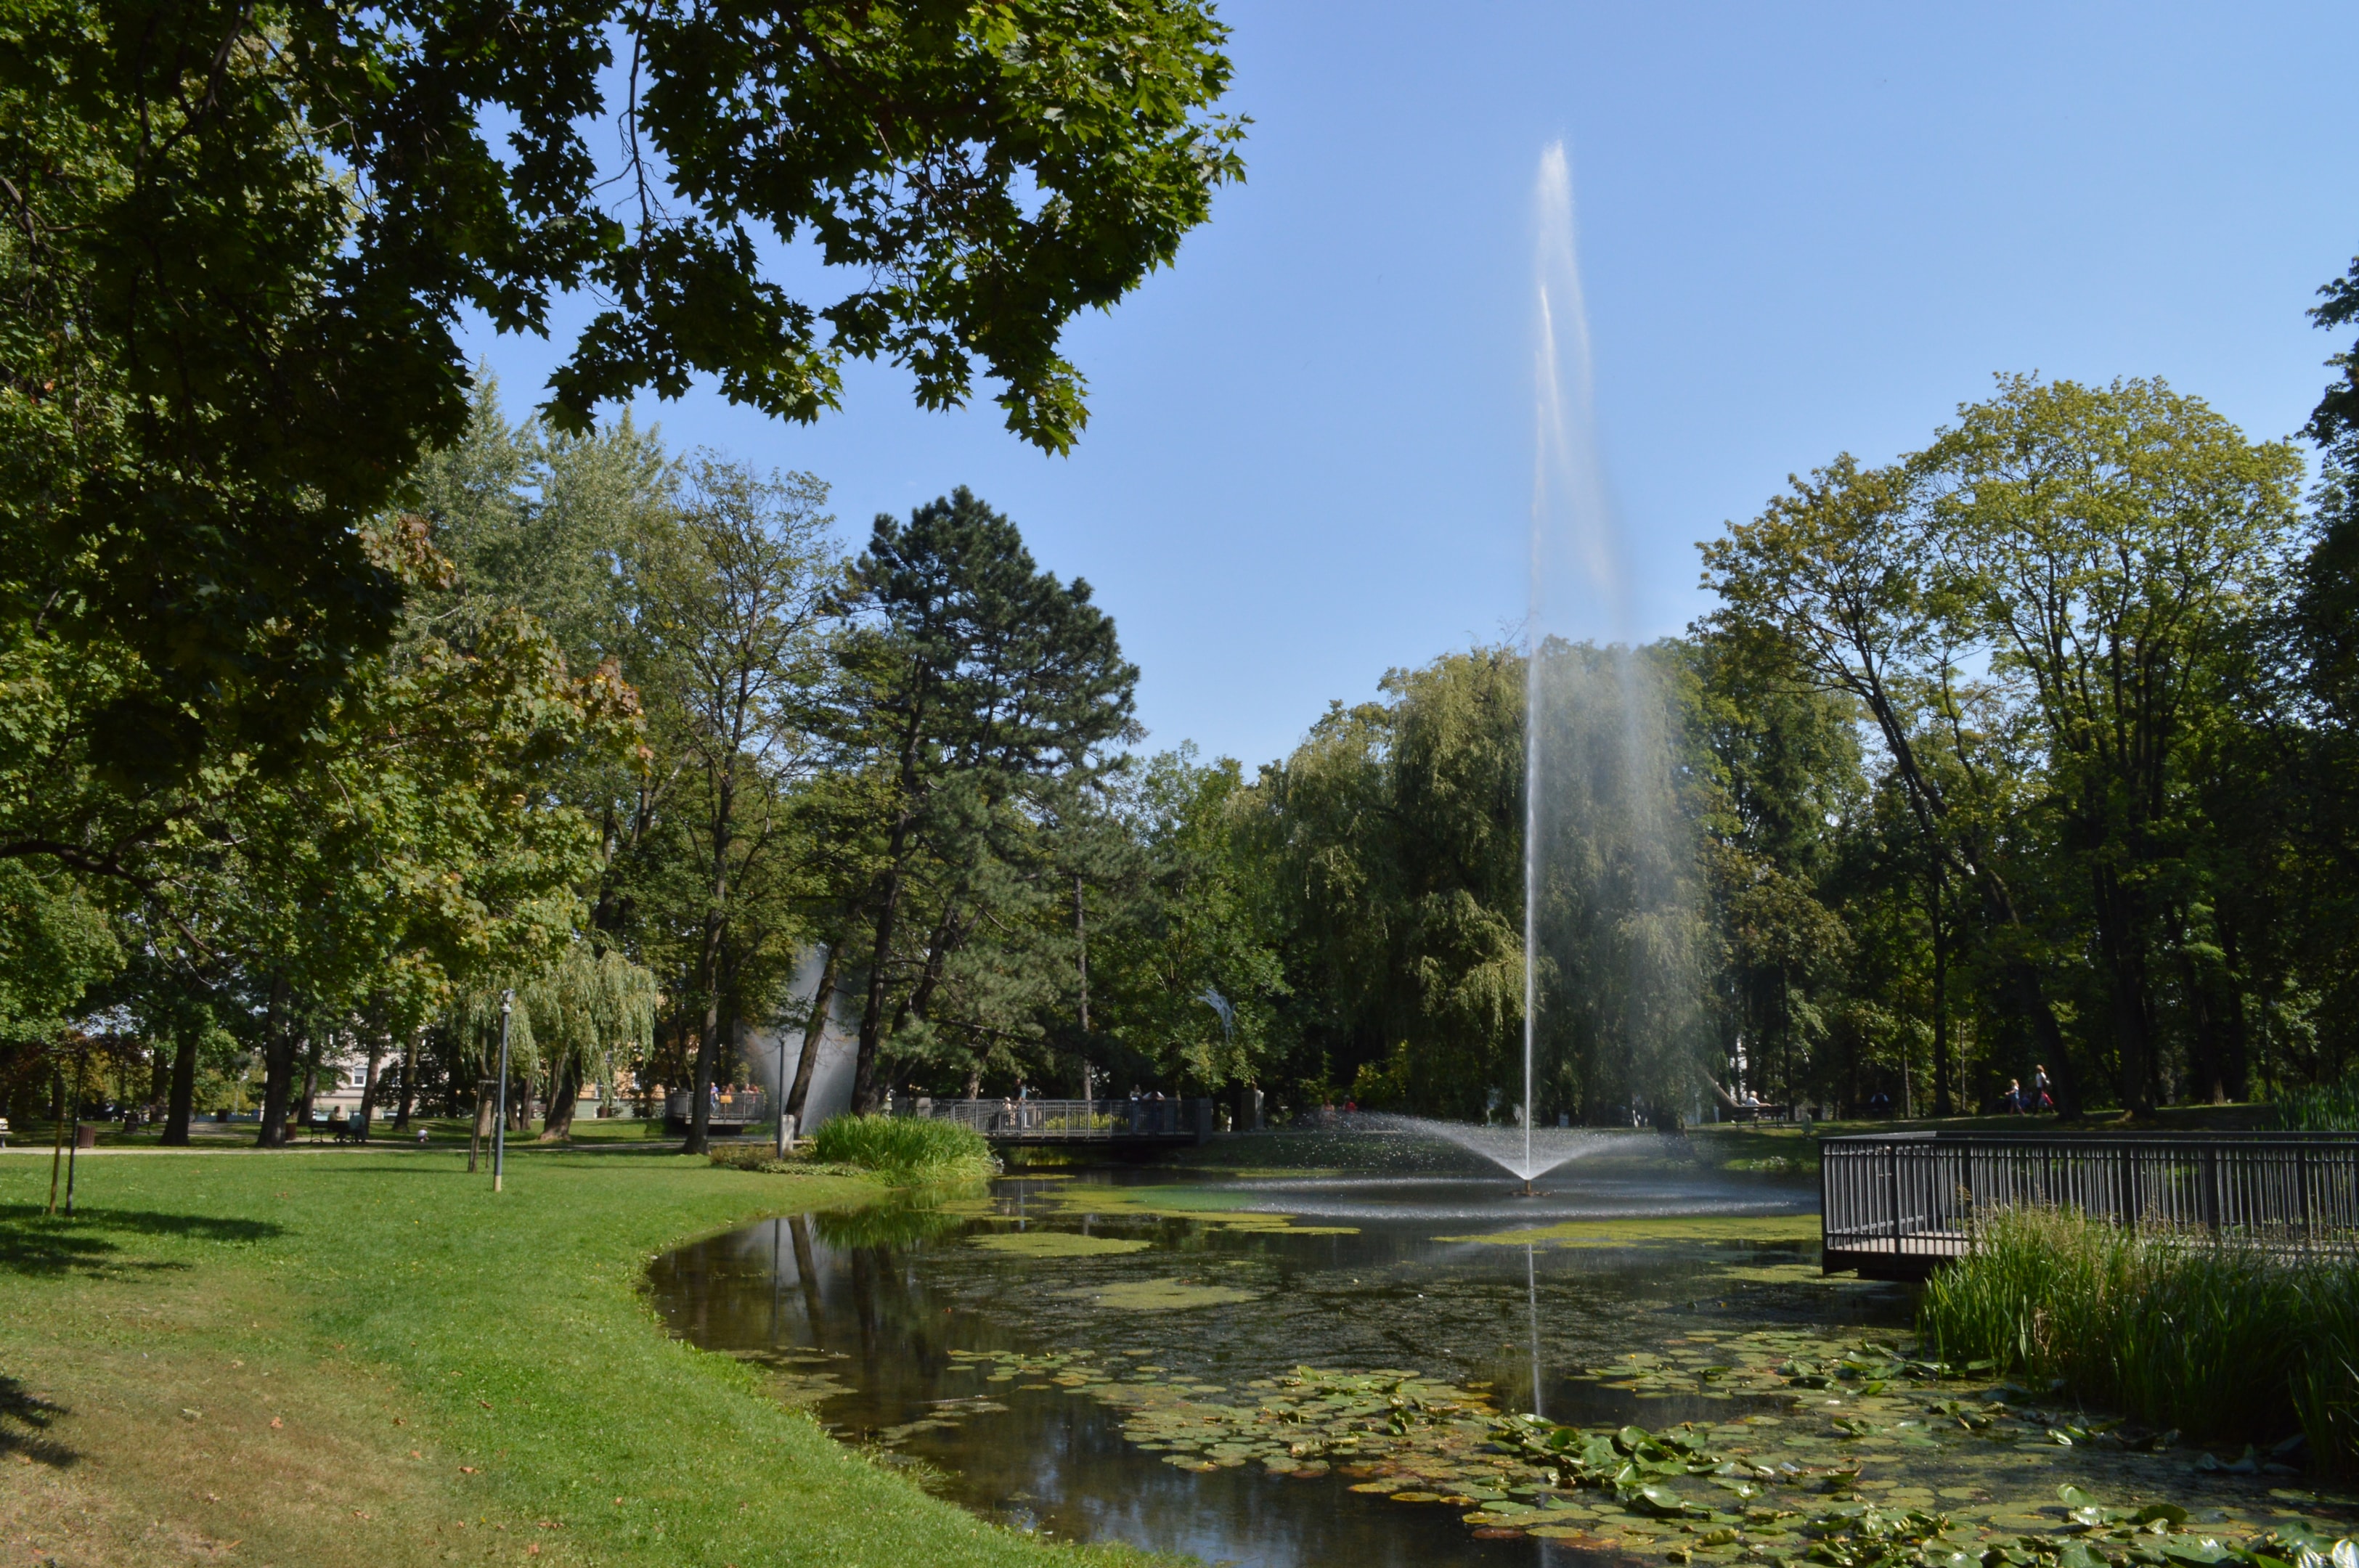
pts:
[500, 1129]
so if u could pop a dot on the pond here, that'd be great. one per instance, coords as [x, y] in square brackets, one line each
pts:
[1281, 1367]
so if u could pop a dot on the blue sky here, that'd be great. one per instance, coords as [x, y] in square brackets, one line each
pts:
[1804, 230]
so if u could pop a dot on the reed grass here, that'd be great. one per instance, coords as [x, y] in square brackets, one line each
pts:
[2224, 1342]
[905, 1148]
[2320, 1108]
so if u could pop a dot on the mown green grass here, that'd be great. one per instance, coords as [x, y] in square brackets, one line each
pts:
[2222, 1342]
[483, 1367]
[904, 1148]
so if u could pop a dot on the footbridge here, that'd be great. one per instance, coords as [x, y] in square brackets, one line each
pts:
[1897, 1205]
[1131, 1123]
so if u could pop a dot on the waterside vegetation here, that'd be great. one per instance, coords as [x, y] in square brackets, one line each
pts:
[906, 1148]
[2220, 1341]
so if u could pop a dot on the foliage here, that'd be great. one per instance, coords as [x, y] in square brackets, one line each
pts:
[2320, 1108]
[980, 693]
[226, 219]
[2223, 1340]
[907, 1148]
[55, 945]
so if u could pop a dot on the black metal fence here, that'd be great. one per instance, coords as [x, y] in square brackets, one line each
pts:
[1075, 1120]
[1896, 1205]
[728, 1110]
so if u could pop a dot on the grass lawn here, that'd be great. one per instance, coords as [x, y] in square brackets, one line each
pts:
[364, 1356]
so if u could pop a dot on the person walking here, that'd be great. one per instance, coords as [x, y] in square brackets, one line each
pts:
[2041, 1100]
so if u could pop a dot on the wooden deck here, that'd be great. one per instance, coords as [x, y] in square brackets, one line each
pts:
[1898, 1205]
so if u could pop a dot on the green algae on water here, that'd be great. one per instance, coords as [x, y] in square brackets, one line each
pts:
[1059, 1244]
[1162, 1295]
[1667, 1228]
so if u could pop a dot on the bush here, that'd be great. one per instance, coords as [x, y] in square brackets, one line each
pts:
[907, 1148]
[2224, 1342]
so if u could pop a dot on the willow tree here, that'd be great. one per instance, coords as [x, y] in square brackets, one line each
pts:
[575, 1020]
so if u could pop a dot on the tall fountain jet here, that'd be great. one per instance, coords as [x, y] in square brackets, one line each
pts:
[1609, 937]
[1612, 990]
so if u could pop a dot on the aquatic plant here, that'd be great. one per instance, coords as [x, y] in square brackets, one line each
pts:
[2224, 1341]
[906, 1148]
[2320, 1108]
[1753, 1487]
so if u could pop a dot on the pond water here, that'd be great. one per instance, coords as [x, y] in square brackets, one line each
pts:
[1302, 1366]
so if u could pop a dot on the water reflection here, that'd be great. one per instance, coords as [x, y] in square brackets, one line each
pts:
[861, 1312]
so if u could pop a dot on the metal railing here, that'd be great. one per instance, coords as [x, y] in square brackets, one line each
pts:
[728, 1109]
[1904, 1200]
[1077, 1120]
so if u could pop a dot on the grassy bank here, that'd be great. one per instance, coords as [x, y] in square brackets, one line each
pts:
[2224, 1343]
[366, 1357]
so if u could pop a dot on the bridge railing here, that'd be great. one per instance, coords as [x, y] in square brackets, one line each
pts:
[729, 1108]
[1079, 1121]
[1901, 1202]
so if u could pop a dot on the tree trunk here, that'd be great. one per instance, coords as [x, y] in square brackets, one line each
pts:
[311, 1052]
[182, 1105]
[409, 1080]
[277, 1069]
[872, 1012]
[486, 1109]
[2236, 1065]
[2118, 940]
[1943, 1105]
[1926, 803]
[708, 974]
[797, 1100]
[564, 1093]
[708, 1043]
[368, 1086]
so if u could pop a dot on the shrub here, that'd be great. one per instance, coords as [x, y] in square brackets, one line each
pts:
[907, 1148]
[2225, 1342]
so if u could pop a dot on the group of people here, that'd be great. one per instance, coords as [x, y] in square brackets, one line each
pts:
[2018, 1103]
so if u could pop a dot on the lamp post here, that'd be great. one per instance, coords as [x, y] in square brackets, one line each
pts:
[500, 1128]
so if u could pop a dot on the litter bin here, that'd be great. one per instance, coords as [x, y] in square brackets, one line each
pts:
[85, 1135]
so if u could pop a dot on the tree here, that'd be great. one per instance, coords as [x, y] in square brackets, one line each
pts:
[237, 240]
[2111, 548]
[417, 848]
[1841, 577]
[973, 682]
[1192, 922]
[735, 611]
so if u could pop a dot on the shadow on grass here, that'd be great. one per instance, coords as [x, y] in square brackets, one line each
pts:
[32, 1242]
[24, 1425]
